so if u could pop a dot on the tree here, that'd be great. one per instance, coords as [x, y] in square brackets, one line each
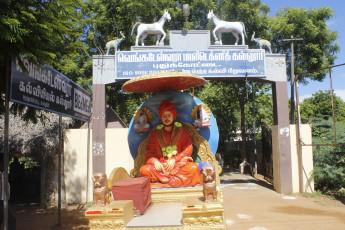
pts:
[125, 104]
[220, 97]
[318, 48]
[320, 106]
[225, 99]
[252, 13]
[263, 105]
[103, 20]
[42, 31]
[329, 161]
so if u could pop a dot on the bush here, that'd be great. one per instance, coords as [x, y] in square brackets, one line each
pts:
[329, 162]
[329, 168]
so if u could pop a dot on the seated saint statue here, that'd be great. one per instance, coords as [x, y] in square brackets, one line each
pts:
[168, 152]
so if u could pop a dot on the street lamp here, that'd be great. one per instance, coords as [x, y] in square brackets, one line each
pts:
[186, 13]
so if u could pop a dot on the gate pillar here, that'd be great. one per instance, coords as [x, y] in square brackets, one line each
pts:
[281, 147]
[98, 128]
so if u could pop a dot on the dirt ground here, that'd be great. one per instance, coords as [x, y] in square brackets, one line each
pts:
[249, 203]
[30, 216]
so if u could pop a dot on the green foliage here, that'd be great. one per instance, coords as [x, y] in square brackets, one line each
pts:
[105, 19]
[329, 162]
[125, 104]
[320, 106]
[232, 157]
[65, 33]
[223, 99]
[220, 97]
[263, 105]
[42, 31]
[318, 48]
[252, 13]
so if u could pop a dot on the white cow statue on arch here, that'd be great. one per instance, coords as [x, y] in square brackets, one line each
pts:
[154, 28]
[236, 28]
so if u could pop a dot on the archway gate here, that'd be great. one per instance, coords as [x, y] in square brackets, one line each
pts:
[191, 51]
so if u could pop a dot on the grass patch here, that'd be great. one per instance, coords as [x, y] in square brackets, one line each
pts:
[332, 197]
[317, 194]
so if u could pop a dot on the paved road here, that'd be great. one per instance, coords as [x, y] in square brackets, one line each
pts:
[252, 204]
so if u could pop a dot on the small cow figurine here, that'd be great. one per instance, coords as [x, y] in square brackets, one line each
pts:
[262, 43]
[115, 43]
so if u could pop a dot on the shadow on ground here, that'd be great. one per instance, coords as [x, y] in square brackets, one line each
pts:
[31, 216]
[341, 198]
[249, 179]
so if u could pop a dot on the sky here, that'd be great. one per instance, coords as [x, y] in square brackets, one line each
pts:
[335, 24]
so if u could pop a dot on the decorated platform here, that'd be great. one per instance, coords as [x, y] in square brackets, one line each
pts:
[189, 214]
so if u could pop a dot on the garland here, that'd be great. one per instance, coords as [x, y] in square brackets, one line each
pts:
[169, 149]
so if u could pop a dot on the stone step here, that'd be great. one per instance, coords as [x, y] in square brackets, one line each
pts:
[159, 215]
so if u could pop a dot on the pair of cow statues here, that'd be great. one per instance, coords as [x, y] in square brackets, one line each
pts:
[236, 28]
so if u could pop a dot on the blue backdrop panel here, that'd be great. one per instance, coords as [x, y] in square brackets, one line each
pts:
[184, 103]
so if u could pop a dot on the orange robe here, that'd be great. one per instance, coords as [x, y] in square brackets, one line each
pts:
[185, 172]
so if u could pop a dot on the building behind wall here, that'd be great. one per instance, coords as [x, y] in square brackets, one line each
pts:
[78, 157]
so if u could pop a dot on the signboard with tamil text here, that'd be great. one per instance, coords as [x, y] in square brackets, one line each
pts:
[210, 63]
[45, 88]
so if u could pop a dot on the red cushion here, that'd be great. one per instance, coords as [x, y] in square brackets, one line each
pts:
[136, 189]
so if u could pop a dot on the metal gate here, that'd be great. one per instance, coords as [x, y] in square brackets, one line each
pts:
[267, 160]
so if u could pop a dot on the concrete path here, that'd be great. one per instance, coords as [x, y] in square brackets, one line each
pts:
[252, 204]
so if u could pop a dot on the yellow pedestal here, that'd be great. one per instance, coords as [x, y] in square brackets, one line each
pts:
[199, 215]
[113, 216]
[175, 194]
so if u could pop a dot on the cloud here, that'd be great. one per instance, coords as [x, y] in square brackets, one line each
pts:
[331, 22]
[301, 98]
[340, 93]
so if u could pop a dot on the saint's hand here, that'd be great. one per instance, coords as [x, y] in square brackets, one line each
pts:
[158, 166]
[170, 165]
[187, 159]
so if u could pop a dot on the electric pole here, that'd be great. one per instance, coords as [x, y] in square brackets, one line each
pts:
[292, 114]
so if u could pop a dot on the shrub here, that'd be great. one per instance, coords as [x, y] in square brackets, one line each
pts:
[329, 162]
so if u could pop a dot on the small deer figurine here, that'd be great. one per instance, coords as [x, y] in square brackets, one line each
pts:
[115, 43]
[262, 43]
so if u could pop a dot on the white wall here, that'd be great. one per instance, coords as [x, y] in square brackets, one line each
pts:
[307, 165]
[117, 154]
[307, 183]
[117, 150]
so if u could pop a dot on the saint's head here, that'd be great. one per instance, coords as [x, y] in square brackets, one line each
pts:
[167, 112]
